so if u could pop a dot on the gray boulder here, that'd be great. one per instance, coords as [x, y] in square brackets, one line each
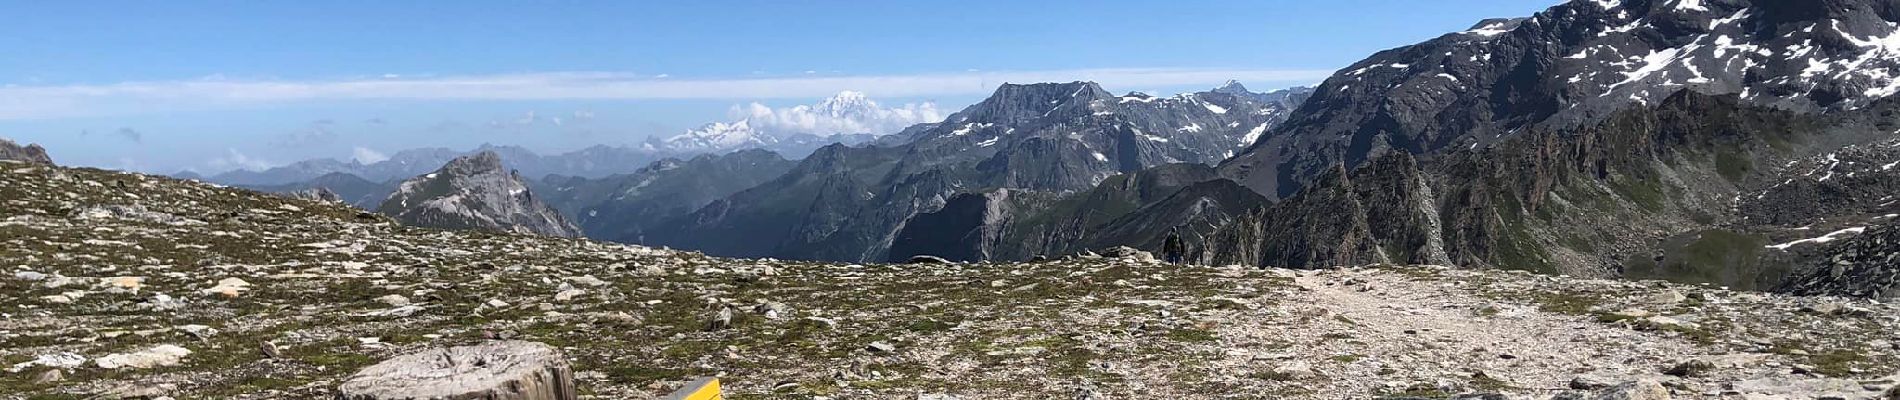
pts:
[502, 370]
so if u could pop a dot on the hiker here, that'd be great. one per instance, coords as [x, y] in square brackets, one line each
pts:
[1173, 249]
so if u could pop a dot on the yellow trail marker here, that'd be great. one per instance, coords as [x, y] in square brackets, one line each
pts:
[700, 389]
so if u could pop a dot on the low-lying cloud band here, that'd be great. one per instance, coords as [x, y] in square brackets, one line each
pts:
[36, 102]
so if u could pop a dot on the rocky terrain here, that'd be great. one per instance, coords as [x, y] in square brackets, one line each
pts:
[475, 192]
[125, 285]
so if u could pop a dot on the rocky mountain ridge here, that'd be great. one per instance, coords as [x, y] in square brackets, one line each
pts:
[848, 203]
[31, 153]
[1574, 64]
[475, 192]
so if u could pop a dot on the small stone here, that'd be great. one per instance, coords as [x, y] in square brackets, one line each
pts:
[49, 376]
[229, 288]
[29, 276]
[1690, 368]
[721, 320]
[928, 259]
[881, 347]
[270, 350]
[497, 303]
[1634, 390]
[772, 309]
[568, 295]
[1294, 370]
[395, 300]
[588, 280]
[1590, 382]
[1666, 298]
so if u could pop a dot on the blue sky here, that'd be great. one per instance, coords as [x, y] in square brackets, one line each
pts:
[165, 86]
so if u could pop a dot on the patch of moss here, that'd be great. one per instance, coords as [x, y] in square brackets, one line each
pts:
[1192, 335]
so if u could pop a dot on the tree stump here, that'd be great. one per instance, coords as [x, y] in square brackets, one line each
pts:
[500, 370]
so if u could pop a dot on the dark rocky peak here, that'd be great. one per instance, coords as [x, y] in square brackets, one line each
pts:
[1232, 87]
[1014, 104]
[31, 153]
[1577, 63]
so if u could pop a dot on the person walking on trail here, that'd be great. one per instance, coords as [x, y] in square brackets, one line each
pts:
[1173, 249]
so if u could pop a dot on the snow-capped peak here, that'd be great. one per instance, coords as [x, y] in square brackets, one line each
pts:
[757, 125]
[1230, 86]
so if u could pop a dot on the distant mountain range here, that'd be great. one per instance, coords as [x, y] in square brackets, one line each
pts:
[1739, 143]
[859, 119]
[849, 203]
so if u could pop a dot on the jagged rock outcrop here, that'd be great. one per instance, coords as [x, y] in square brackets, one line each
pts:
[31, 153]
[849, 203]
[475, 192]
[1576, 63]
[1137, 209]
[1383, 213]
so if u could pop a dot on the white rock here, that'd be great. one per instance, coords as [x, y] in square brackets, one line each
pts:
[395, 300]
[55, 360]
[229, 287]
[161, 355]
[588, 280]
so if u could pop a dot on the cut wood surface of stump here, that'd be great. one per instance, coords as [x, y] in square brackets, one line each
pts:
[500, 370]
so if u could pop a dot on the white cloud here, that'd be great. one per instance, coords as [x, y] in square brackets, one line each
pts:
[33, 101]
[366, 156]
[847, 112]
[235, 160]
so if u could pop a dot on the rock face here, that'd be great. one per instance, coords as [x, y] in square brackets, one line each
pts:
[31, 153]
[1576, 63]
[1681, 190]
[502, 370]
[622, 208]
[1137, 209]
[848, 203]
[474, 192]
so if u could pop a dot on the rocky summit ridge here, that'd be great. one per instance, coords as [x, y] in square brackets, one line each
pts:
[31, 153]
[475, 192]
[122, 285]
